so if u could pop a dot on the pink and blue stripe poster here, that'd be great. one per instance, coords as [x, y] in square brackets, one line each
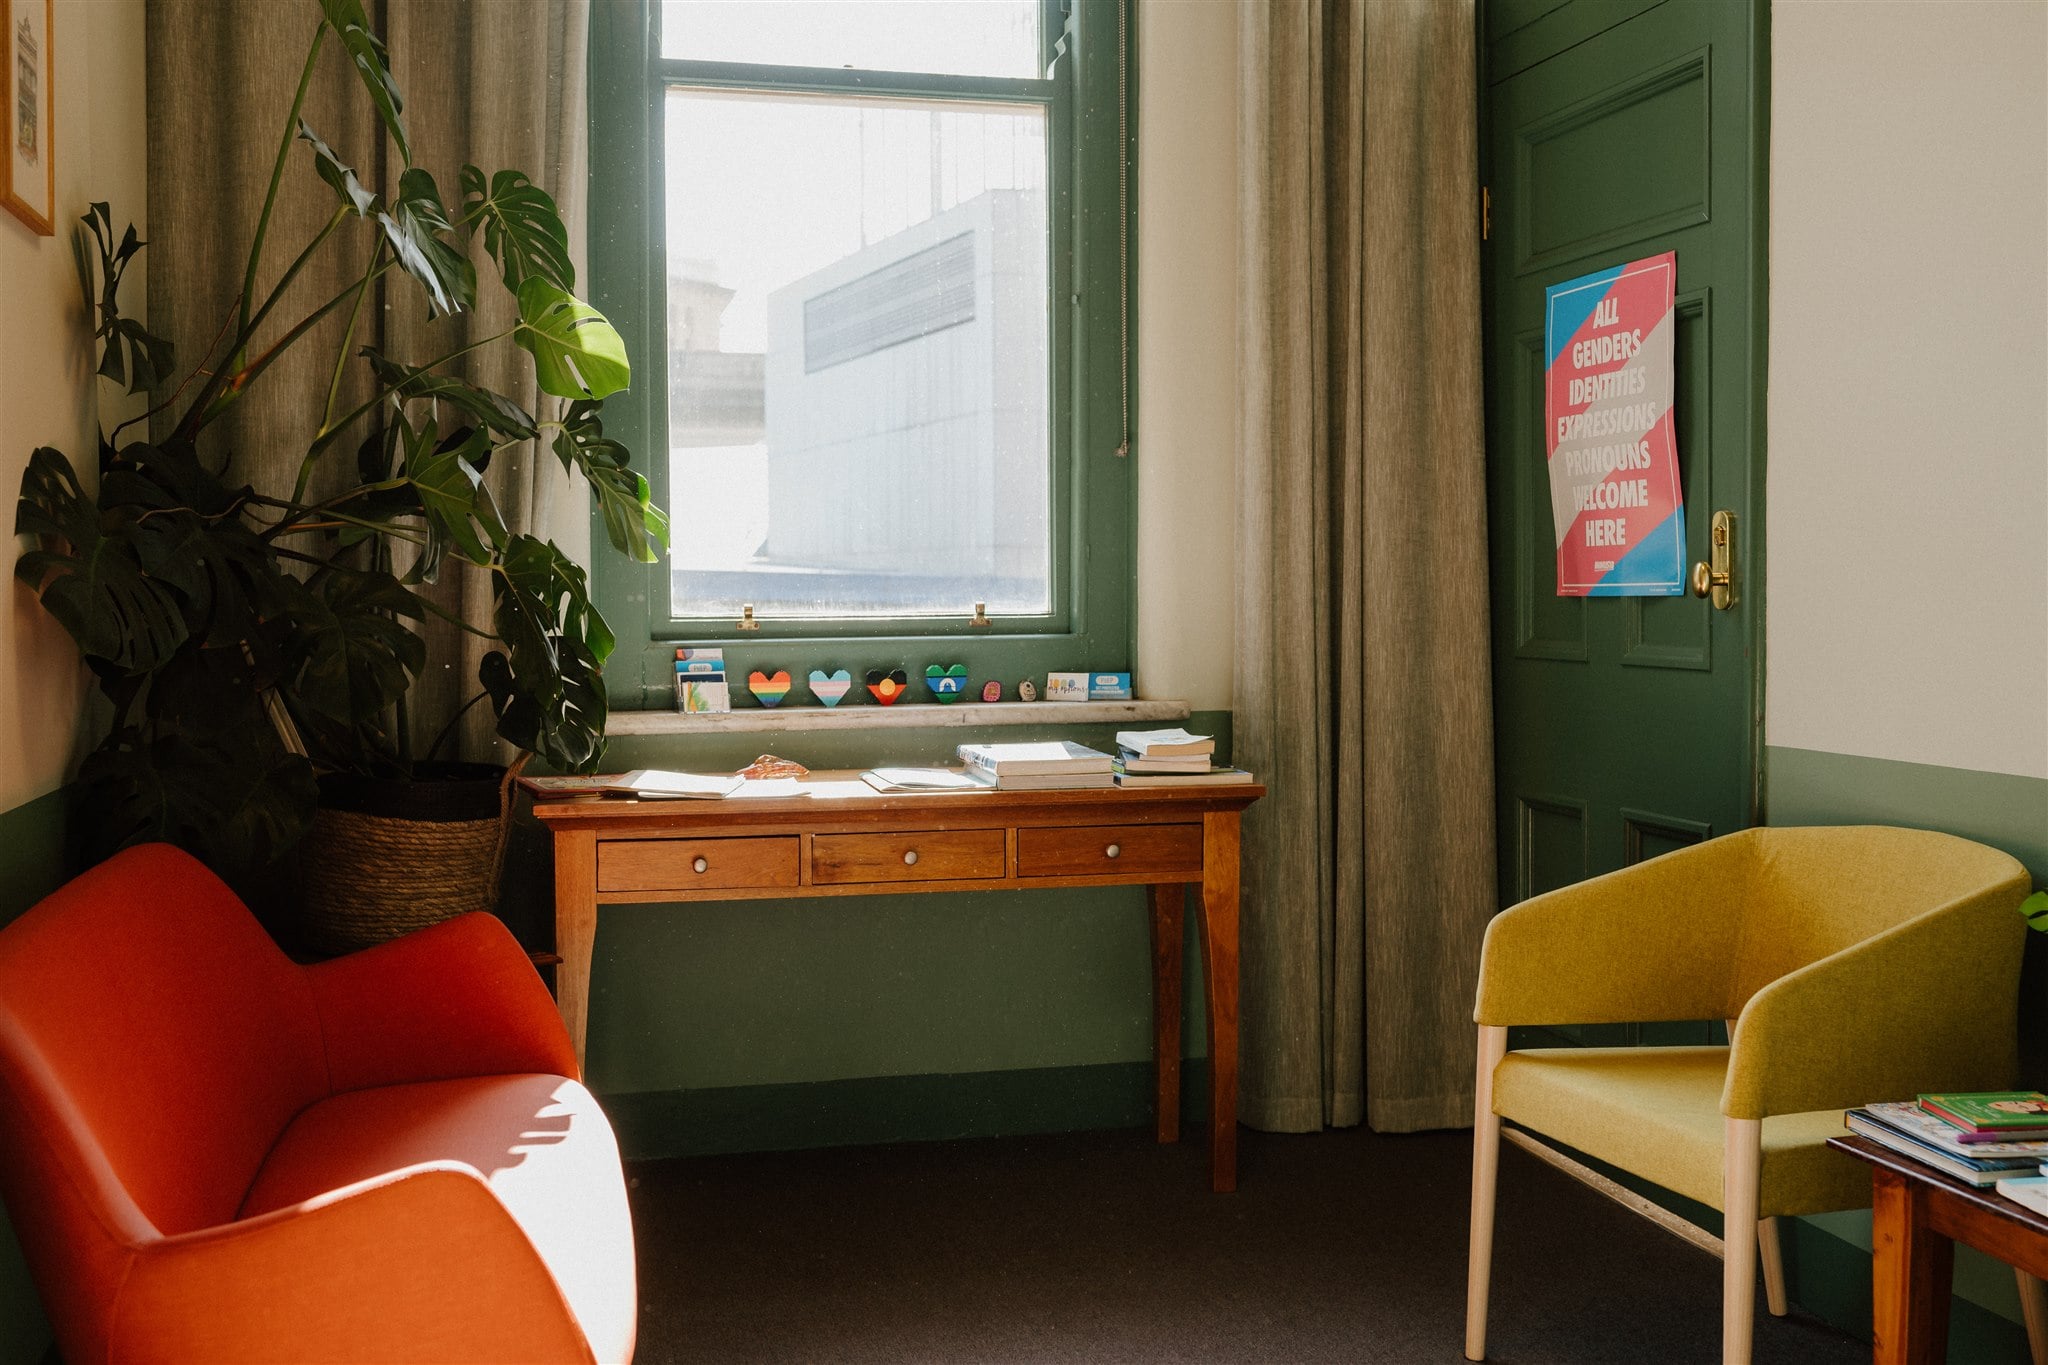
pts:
[1615, 498]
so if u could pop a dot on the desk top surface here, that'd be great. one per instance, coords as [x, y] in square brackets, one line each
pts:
[1985, 1198]
[840, 794]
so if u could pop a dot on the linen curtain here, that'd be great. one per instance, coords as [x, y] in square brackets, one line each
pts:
[499, 85]
[1362, 682]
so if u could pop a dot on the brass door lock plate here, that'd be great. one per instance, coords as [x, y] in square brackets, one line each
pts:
[1715, 576]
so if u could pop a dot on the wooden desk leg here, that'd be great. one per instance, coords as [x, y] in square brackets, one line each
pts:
[1219, 976]
[575, 929]
[1910, 1270]
[1168, 905]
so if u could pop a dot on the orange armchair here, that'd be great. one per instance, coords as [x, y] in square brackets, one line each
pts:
[212, 1153]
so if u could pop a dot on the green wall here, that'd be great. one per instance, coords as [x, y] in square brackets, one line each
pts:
[32, 864]
[1829, 1256]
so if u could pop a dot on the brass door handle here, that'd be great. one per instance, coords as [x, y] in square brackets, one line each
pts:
[1715, 576]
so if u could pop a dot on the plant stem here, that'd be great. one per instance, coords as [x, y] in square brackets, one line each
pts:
[335, 521]
[327, 433]
[183, 384]
[225, 388]
[449, 728]
[354, 313]
[451, 618]
[284, 147]
[341, 213]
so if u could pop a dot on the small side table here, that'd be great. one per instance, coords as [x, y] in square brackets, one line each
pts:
[1917, 1216]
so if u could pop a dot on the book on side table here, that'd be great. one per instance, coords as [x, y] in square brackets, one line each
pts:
[1908, 1129]
[1992, 1115]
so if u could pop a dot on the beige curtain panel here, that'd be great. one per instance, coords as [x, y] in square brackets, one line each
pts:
[1362, 691]
[500, 85]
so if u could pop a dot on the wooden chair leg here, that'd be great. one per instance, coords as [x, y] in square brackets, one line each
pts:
[2034, 1308]
[1741, 1168]
[1773, 1257]
[1493, 1045]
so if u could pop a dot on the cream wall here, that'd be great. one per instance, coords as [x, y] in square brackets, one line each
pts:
[1186, 363]
[46, 384]
[1908, 405]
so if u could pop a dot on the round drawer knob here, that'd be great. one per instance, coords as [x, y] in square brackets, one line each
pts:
[1112, 851]
[701, 865]
[910, 858]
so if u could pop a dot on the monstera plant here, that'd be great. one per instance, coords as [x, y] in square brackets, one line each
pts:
[247, 641]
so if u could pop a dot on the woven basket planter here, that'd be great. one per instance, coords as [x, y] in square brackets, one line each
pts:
[386, 856]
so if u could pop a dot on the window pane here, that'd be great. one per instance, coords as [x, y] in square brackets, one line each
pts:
[858, 373]
[946, 37]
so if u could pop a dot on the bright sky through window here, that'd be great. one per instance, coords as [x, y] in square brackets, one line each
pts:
[946, 37]
[858, 354]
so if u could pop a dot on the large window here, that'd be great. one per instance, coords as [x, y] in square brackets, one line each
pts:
[871, 259]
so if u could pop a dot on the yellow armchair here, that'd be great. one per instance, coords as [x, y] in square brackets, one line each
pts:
[1853, 964]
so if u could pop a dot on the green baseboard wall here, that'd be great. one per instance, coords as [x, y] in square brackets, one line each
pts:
[654, 1125]
[1807, 787]
[1828, 1257]
[33, 863]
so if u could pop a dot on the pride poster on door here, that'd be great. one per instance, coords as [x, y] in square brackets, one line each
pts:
[1615, 498]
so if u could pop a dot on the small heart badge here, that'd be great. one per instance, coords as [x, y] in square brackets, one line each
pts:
[830, 687]
[946, 684]
[770, 691]
[887, 684]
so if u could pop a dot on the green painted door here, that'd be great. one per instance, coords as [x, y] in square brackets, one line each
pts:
[1614, 130]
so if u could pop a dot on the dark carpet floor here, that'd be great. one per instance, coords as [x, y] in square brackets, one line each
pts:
[1343, 1246]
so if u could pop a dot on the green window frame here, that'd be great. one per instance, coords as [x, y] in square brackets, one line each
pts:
[1091, 98]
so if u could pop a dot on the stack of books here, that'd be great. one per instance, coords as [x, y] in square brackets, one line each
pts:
[1992, 1138]
[1055, 765]
[1170, 758]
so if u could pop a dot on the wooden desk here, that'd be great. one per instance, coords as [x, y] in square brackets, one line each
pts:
[1167, 839]
[1917, 1216]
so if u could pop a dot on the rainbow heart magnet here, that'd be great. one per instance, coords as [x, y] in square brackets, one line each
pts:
[888, 684]
[830, 687]
[769, 691]
[946, 683]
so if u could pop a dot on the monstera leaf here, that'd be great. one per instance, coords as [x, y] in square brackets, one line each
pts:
[491, 409]
[576, 352]
[366, 54]
[130, 354]
[340, 177]
[413, 225]
[359, 655]
[450, 489]
[236, 801]
[522, 227]
[633, 524]
[187, 536]
[89, 571]
[354, 657]
[545, 688]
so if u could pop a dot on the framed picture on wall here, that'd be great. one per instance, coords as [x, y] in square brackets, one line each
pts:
[28, 161]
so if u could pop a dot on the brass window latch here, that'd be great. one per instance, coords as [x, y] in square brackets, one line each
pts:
[1715, 575]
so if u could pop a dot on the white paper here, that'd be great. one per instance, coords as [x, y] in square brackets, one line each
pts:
[768, 787]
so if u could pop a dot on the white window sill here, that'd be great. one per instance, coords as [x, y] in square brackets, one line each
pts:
[914, 716]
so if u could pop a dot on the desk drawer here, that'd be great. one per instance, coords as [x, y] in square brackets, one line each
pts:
[696, 864]
[1080, 851]
[914, 856]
